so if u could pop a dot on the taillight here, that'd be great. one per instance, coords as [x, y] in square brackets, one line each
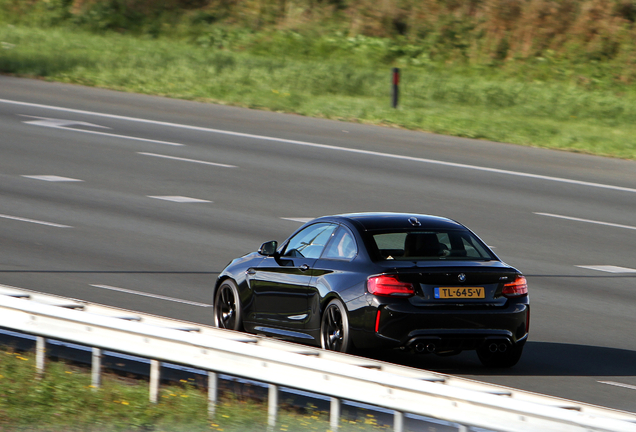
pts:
[517, 288]
[384, 285]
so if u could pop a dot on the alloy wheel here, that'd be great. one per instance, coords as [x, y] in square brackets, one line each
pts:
[227, 308]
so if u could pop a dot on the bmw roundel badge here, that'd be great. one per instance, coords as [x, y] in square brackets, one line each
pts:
[461, 277]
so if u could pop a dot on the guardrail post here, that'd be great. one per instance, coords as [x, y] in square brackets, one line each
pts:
[334, 414]
[40, 350]
[154, 380]
[398, 421]
[213, 393]
[96, 368]
[272, 411]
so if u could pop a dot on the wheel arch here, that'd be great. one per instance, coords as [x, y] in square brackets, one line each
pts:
[219, 282]
[331, 295]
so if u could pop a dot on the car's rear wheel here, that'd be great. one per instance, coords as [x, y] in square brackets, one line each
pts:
[491, 355]
[334, 329]
[227, 307]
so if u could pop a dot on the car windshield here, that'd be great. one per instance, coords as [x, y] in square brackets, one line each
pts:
[431, 245]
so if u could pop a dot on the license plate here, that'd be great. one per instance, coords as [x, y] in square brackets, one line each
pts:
[460, 293]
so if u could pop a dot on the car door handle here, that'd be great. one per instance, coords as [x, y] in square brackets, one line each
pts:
[304, 267]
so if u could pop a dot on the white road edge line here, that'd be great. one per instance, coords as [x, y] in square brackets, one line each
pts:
[586, 220]
[327, 147]
[34, 221]
[187, 160]
[155, 296]
[617, 384]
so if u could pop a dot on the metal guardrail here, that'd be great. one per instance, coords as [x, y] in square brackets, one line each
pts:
[339, 376]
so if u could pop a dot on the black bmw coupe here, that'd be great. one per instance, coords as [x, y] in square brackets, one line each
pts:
[380, 280]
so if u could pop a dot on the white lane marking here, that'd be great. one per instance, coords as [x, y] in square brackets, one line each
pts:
[617, 384]
[187, 160]
[51, 178]
[61, 124]
[608, 268]
[301, 220]
[122, 136]
[56, 123]
[328, 147]
[179, 199]
[586, 220]
[156, 296]
[34, 221]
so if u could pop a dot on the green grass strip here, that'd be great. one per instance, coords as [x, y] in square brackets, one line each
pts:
[465, 102]
[64, 401]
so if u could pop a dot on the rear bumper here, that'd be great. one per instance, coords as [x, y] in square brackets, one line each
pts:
[444, 341]
[401, 324]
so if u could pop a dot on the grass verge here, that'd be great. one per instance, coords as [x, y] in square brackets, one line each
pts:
[460, 101]
[63, 400]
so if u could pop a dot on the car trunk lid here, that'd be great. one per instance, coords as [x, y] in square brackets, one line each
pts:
[465, 285]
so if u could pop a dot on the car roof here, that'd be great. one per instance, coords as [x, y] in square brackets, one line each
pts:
[387, 220]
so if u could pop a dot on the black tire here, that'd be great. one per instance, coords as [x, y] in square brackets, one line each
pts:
[227, 307]
[499, 359]
[334, 328]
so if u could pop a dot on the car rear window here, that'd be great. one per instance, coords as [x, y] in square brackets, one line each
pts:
[431, 245]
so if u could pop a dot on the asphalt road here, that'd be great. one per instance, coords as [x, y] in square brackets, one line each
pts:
[151, 197]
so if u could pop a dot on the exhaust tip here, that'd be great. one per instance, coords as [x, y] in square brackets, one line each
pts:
[424, 347]
[498, 346]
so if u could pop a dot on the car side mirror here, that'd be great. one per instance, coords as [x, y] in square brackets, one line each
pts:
[268, 248]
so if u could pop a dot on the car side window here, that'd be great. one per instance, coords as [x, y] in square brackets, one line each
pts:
[342, 247]
[310, 242]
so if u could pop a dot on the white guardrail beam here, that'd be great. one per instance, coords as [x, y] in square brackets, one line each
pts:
[342, 377]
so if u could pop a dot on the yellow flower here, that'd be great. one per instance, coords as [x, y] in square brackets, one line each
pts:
[124, 403]
[69, 372]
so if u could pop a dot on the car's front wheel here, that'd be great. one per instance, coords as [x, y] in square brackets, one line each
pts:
[495, 356]
[227, 307]
[334, 329]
